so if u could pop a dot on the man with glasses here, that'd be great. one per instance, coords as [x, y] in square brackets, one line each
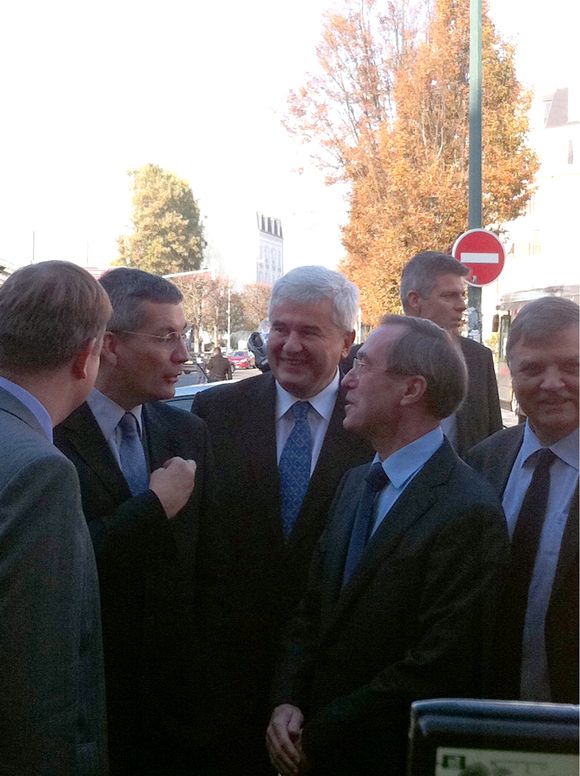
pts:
[433, 287]
[143, 468]
[402, 581]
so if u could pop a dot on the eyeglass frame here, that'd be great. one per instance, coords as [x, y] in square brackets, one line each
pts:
[359, 367]
[171, 339]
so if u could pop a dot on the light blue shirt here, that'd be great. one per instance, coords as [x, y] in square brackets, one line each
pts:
[401, 467]
[108, 414]
[31, 403]
[318, 418]
[534, 681]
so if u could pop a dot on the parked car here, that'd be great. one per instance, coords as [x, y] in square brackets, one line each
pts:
[193, 374]
[242, 359]
[184, 393]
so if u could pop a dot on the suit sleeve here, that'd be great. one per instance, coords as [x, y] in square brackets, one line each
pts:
[42, 566]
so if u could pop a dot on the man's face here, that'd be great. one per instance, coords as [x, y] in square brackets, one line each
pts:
[445, 305]
[545, 381]
[305, 346]
[372, 398]
[147, 368]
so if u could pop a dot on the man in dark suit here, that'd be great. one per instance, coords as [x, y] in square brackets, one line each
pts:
[433, 287]
[52, 691]
[275, 521]
[537, 633]
[403, 579]
[147, 513]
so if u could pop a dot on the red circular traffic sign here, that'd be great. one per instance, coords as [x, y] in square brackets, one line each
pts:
[482, 252]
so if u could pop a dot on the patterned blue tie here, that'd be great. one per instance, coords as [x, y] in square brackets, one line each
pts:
[376, 480]
[132, 455]
[294, 466]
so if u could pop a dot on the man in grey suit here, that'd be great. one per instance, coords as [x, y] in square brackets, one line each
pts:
[433, 287]
[52, 702]
[534, 468]
[275, 513]
[404, 577]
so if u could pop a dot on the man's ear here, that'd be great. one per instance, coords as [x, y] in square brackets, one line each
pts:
[414, 302]
[415, 387]
[109, 349]
[348, 340]
[80, 361]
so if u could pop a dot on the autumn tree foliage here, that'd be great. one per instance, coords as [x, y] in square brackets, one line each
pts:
[255, 299]
[167, 234]
[388, 114]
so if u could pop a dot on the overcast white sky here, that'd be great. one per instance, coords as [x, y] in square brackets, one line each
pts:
[92, 89]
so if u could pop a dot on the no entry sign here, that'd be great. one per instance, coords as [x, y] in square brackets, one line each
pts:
[483, 253]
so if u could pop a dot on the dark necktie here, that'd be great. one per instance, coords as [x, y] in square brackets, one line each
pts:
[524, 548]
[132, 455]
[294, 466]
[376, 480]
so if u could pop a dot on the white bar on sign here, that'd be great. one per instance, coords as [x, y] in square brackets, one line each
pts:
[479, 258]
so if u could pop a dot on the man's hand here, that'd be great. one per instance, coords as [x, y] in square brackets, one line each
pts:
[283, 740]
[173, 484]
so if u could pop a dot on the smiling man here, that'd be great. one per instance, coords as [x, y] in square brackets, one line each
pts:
[143, 468]
[280, 451]
[433, 287]
[534, 467]
[403, 579]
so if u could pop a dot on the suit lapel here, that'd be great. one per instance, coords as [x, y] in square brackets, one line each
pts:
[84, 434]
[259, 410]
[499, 468]
[414, 502]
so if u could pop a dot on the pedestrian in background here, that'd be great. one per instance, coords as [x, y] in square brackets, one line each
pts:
[219, 368]
[433, 287]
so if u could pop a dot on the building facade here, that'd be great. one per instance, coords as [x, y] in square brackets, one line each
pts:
[270, 259]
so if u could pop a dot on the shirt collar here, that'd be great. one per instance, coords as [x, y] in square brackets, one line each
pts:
[31, 403]
[108, 413]
[566, 448]
[403, 464]
[323, 402]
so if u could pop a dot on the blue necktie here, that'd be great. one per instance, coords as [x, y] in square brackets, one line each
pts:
[294, 466]
[132, 455]
[376, 480]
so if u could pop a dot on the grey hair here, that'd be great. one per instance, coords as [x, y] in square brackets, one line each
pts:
[541, 321]
[312, 283]
[128, 288]
[421, 272]
[428, 350]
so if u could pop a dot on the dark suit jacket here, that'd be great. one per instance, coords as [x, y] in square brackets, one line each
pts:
[52, 689]
[494, 458]
[411, 623]
[148, 569]
[270, 572]
[480, 414]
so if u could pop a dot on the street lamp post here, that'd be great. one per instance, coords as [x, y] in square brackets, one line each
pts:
[475, 210]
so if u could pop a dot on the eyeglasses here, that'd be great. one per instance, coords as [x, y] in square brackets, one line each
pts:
[358, 367]
[170, 340]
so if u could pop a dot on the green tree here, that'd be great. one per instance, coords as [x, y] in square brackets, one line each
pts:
[167, 233]
[400, 73]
